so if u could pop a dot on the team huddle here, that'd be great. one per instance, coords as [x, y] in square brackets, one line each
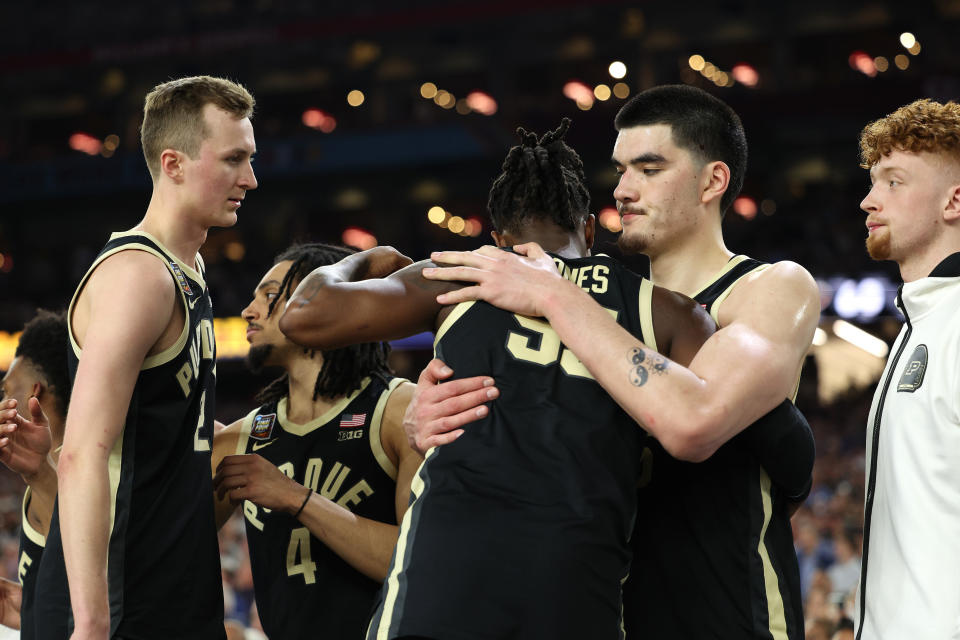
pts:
[592, 454]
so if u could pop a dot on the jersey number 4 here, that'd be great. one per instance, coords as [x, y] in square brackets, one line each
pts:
[299, 561]
[544, 347]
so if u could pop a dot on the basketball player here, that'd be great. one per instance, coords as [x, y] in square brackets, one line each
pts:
[908, 584]
[38, 383]
[715, 548]
[324, 469]
[133, 528]
[520, 528]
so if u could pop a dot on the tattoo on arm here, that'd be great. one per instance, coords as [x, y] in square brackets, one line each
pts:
[642, 366]
[311, 287]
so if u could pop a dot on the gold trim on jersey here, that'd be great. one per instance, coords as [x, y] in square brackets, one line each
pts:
[392, 582]
[376, 442]
[33, 535]
[644, 303]
[775, 609]
[156, 359]
[714, 307]
[246, 426]
[455, 315]
[330, 414]
[195, 272]
[114, 467]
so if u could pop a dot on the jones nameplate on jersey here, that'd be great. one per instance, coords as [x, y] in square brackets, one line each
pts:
[262, 426]
[912, 376]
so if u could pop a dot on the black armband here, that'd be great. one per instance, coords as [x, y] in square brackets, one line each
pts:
[783, 444]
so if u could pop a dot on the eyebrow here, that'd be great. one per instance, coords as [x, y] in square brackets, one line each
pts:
[885, 170]
[644, 158]
[264, 285]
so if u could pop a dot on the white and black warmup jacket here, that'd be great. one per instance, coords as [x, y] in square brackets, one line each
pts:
[910, 580]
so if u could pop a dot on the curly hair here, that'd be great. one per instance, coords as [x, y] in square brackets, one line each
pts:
[44, 343]
[923, 125]
[343, 369]
[541, 178]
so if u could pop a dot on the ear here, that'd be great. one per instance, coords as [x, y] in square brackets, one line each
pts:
[498, 239]
[171, 165]
[37, 390]
[951, 213]
[714, 183]
[589, 230]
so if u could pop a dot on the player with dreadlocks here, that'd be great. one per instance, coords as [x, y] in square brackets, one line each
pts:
[322, 468]
[518, 528]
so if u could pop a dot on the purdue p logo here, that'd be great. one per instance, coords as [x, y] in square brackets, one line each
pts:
[262, 426]
[912, 376]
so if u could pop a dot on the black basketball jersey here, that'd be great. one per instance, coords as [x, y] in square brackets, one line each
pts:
[520, 527]
[163, 559]
[303, 589]
[713, 548]
[31, 550]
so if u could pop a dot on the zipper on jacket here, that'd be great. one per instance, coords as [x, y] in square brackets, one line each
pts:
[874, 448]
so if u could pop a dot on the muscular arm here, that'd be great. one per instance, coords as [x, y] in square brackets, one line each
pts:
[365, 544]
[745, 369]
[680, 324]
[328, 310]
[115, 339]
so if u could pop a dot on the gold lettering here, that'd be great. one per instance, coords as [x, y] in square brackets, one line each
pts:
[25, 562]
[357, 493]
[184, 376]
[311, 477]
[600, 278]
[250, 513]
[331, 486]
[584, 273]
[287, 469]
[206, 339]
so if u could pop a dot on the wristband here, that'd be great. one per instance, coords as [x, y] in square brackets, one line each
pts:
[305, 501]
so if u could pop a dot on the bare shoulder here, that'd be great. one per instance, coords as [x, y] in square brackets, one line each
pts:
[398, 401]
[392, 436]
[133, 274]
[784, 275]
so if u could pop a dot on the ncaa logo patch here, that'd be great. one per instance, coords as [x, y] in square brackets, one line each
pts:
[181, 279]
[262, 426]
[912, 376]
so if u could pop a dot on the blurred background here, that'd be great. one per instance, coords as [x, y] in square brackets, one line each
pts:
[382, 123]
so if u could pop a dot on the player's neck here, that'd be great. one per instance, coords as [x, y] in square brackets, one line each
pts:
[301, 381]
[690, 264]
[920, 264]
[175, 228]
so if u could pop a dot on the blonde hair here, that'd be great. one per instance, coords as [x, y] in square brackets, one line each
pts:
[924, 125]
[173, 114]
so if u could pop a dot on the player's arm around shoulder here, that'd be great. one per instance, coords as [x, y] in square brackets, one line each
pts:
[333, 307]
[226, 440]
[397, 446]
[127, 305]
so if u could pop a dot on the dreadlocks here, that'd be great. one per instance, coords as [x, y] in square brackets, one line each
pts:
[343, 369]
[540, 179]
[44, 343]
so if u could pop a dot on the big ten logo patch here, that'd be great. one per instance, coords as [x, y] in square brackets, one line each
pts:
[335, 482]
[912, 376]
[201, 347]
[348, 426]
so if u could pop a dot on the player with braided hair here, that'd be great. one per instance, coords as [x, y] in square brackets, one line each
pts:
[322, 468]
[519, 528]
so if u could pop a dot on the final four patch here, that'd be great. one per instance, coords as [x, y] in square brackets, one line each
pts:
[181, 279]
[912, 376]
[262, 426]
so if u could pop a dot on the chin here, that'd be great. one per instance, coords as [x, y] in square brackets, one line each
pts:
[878, 246]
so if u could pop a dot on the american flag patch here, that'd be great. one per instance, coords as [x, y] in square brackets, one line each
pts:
[352, 420]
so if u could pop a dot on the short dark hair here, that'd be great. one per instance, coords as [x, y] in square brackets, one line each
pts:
[541, 178]
[701, 123]
[44, 342]
[343, 369]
